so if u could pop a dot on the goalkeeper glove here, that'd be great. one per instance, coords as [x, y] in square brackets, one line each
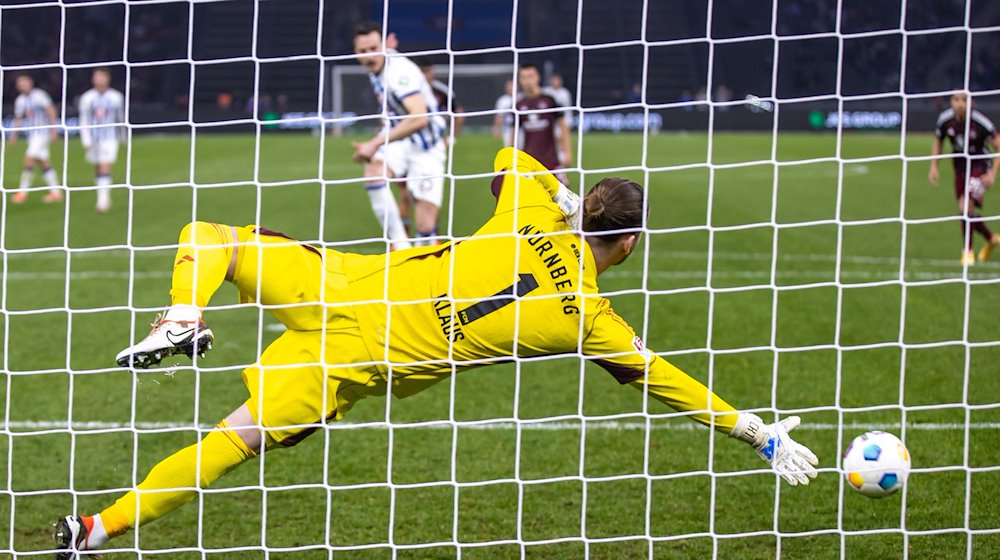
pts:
[791, 460]
[569, 202]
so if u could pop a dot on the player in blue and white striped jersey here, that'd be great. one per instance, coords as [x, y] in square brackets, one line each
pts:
[102, 112]
[34, 111]
[412, 144]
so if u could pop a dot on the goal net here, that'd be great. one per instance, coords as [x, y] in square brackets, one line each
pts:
[796, 259]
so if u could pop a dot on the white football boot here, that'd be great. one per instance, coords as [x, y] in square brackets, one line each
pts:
[70, 535]
[168, 337]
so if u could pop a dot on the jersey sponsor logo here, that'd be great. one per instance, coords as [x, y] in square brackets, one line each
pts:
[640, 347]
[534, 123]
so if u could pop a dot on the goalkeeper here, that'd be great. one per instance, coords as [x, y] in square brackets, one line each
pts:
[357, 325]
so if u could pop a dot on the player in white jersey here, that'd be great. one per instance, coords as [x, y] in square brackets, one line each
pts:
[411, 145]
[33, 110]
[102, 110]
[503, 121]
[557, 89]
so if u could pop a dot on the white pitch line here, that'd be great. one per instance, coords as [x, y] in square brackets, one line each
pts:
[696, 255]
[799, 274]
[93, 425]
[659, 274]
[85, 275]
[815, 257]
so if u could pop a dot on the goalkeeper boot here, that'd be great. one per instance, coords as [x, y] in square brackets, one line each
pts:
[19, 197]
[71, 536]
[168, 337]
[968, 257]
[987, 250]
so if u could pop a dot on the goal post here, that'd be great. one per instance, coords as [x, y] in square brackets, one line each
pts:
[480, 86]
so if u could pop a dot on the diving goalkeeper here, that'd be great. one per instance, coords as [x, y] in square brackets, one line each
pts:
[524, 285]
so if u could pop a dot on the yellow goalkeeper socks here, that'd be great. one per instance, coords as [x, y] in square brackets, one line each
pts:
[204, 256]
[171, 483]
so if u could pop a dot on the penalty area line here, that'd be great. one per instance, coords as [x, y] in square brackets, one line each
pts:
[700, 274]
[532, 425]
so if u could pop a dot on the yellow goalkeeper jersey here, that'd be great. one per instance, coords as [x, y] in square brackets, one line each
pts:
[523, 285]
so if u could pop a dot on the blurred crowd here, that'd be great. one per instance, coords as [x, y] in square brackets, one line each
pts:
[98, 34]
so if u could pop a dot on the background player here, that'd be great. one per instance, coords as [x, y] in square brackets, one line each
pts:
[411, 145]
[539, 116]
[33, 108]
[102, 111]
[972, 176]
[446, 99]
[557, 89]
[331, 356]
[503, 121]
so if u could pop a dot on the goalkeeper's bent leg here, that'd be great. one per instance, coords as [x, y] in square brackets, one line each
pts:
[172, 482]
[206, 255]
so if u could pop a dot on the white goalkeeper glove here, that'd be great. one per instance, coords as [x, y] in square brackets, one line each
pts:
[569, 202]
[790, 459]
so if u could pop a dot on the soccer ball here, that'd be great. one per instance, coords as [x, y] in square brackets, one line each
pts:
[876, 464]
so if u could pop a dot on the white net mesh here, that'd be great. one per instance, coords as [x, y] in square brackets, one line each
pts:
[795, 260]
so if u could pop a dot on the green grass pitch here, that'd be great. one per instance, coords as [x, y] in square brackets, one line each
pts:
[824, 327]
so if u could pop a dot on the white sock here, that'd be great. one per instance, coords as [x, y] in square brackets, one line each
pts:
[51, 179]
[426, 238]
[182, 313]
[387, 211]
[103, 190]
[27, 176]
[97, 536]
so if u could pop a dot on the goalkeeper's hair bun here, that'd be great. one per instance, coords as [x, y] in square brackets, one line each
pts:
[614, 205]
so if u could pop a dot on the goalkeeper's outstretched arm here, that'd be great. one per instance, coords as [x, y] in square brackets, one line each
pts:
[612, 216]
[624, 355]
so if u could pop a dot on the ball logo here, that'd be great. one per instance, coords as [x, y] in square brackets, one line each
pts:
[904, 454]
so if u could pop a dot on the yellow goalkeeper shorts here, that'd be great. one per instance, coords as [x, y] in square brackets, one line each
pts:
[320, 366]
[306, 378]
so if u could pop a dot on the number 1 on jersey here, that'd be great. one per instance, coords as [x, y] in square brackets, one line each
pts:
[526, 283]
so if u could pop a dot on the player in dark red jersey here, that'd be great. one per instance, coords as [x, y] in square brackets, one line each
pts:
[538, 116]
[973, 175]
